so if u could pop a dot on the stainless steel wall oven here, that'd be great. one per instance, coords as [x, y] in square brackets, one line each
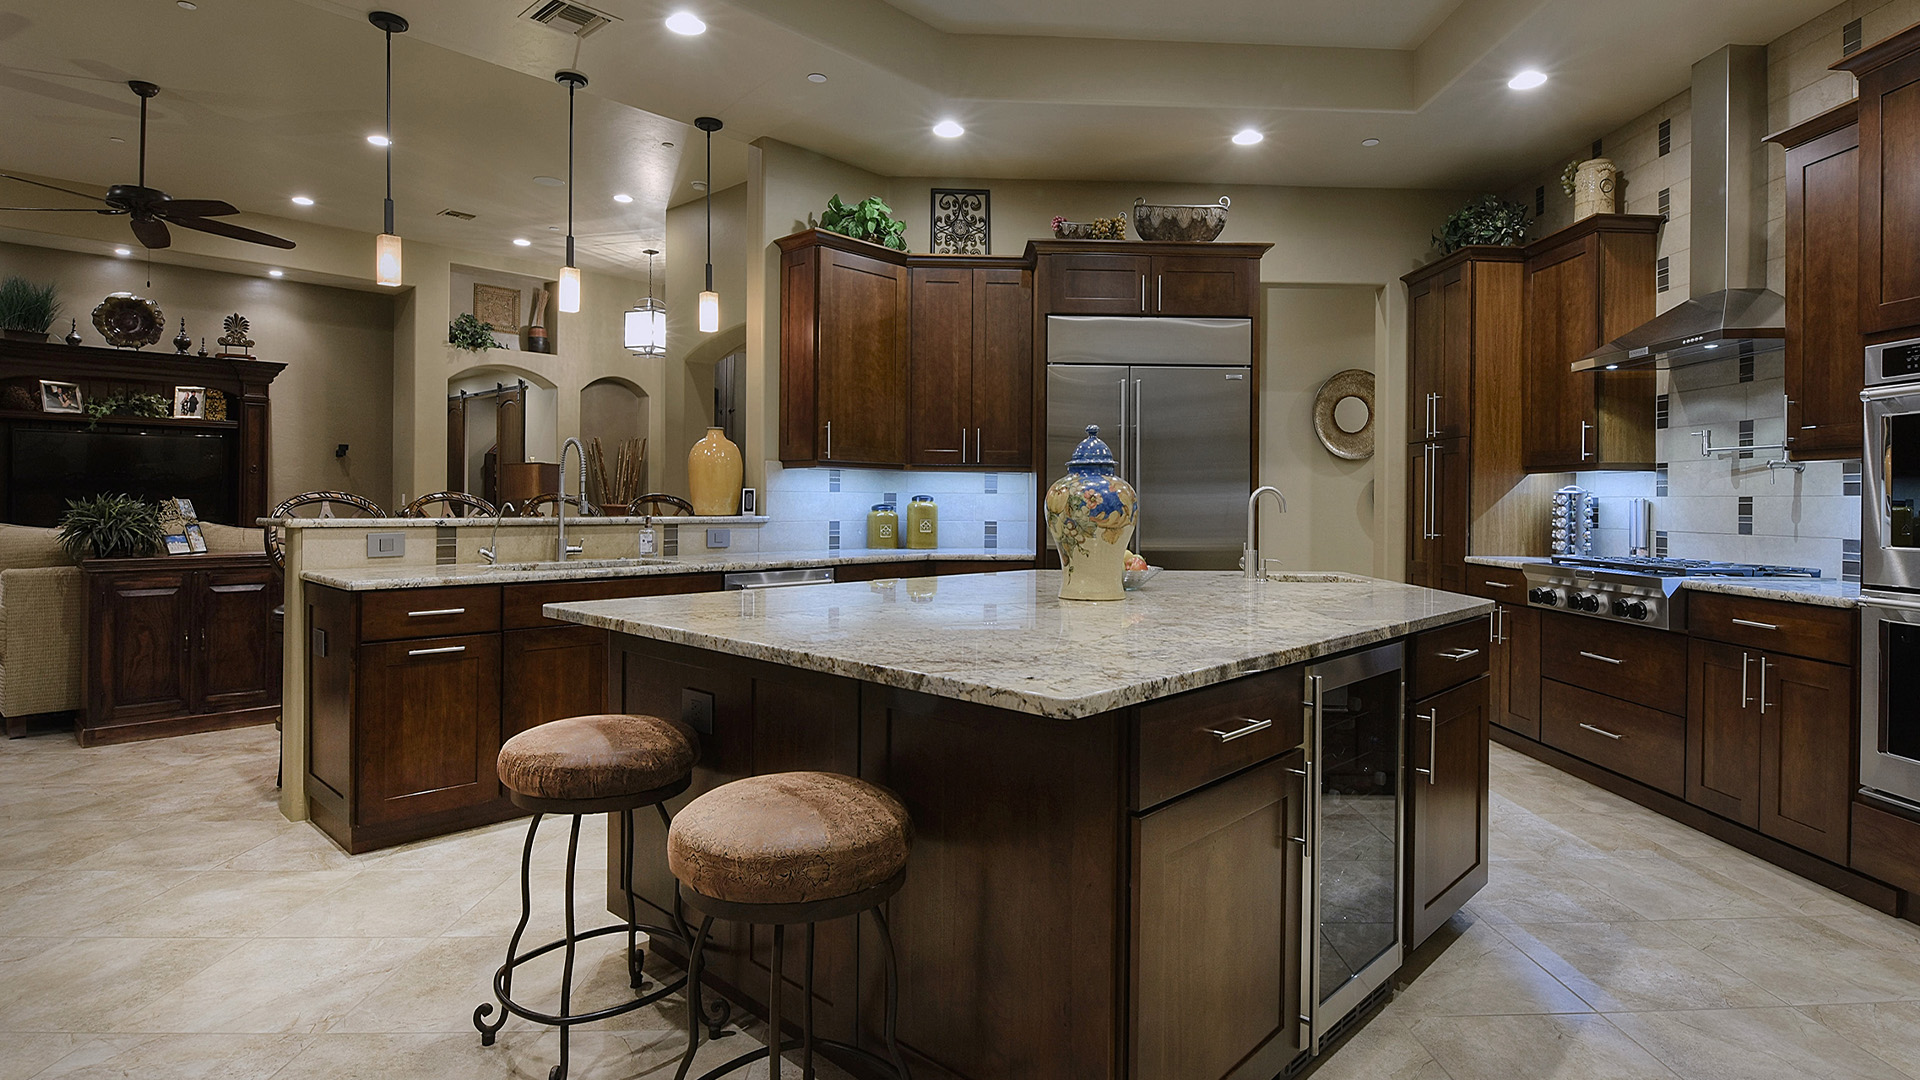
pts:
[1890, 576]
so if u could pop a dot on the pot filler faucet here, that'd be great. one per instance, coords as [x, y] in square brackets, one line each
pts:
[1250, 557]
[560, 507]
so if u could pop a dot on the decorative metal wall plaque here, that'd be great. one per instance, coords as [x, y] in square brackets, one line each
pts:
[960, 221]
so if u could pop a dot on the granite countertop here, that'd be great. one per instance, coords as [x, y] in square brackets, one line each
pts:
[1007, 640]
[1825, 592]
[1505, 562]
[486, 521]
[367, 579]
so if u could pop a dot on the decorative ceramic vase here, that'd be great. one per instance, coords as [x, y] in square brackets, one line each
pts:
[714, 473]
[181, 342]
[1090, 515]
[1595, 184]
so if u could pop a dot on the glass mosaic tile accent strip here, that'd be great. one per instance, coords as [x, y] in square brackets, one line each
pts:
[670, 542]
[1850, 561]
[1540, 200]
[1662, 407]
[993, 483]
[1746, 363]
[833, 536]
[833, 479]
[1849, 478]
[1746, 515]
[1660, 482]
[1746, 439]
[1659, 544]
[1666, 202]
[1662, 275]
[1666, 137]
[1850, 38]
[992, 541]
[890, 497]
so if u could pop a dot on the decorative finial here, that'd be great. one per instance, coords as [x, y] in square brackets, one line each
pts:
[1093, 429]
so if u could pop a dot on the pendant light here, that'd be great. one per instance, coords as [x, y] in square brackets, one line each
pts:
[646, 331]
[709, 300]
[386, 250]
[570, 277]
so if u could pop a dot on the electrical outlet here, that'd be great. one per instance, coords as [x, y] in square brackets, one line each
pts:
[719, 538]
[696, 710]
[391, 545]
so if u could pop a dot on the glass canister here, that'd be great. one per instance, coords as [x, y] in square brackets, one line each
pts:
[923, 523]
[883, 526]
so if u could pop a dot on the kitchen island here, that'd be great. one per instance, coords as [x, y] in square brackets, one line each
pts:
[1110, 877]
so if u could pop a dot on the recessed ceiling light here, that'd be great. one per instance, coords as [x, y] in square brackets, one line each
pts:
[302, 200]
[686, 22]
[123, 251]
[623, 198]
[699, 185]
[553, 228]
[115, 139]
[186, 5]
[1527, 80]
[816, 77]
[549, 181]
[1369, 142]
[379, 140]
[276, 273]
[949, 129]
[668, 145]
[521, 241]
[1247, 137]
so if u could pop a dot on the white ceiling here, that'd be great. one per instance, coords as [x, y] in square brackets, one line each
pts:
[1351, 24]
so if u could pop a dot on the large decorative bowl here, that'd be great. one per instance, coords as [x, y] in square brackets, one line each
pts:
[128, 321]
[1174, 222]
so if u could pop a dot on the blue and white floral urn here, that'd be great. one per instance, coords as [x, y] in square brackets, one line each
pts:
[1090, 515]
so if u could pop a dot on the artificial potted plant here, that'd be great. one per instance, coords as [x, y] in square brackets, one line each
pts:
[469, 333]
[27, 310]
[1488, 219]
[869, 219]
[110, 527]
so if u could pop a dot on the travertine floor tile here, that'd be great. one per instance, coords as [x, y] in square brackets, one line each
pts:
[223, 903]
[269, 985]
[96, 984]
[178, 1057]
[1751, 1044]
[1888, 1030]
[386, 903]
[1576, 1047]
[1802, 961]
[1635, 966]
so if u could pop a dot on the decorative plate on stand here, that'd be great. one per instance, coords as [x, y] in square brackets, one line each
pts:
[128, 321]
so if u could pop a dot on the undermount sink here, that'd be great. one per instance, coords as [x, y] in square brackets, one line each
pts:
[552, 564]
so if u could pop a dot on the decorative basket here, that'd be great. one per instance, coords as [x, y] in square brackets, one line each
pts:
[1176, 222]
[1113, 228]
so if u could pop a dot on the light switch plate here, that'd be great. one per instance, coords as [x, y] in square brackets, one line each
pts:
[696, 710]
[719, 538]
[391, 545]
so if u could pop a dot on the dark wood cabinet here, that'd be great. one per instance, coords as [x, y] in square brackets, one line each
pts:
[1889, 116]
[1515, 670]
[1150, 279]
[551, 673]
[1437, 524]
[1585, 286]
[1448, 809]
[971, 368]
[1823, 347]
[1440, 355]
[1204, 286]
[844, 339]
[176, 645]
[1217, 929]
[428, 714]
[1097, 283]
[1723, 734]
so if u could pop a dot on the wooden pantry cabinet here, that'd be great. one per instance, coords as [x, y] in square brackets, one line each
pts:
[1889, 119]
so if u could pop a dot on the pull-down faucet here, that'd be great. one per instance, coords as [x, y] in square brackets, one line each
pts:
[1250, 556]
[560, 508]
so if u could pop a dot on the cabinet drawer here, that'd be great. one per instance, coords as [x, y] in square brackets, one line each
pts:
[1445, 658]
[520, 604]
[1887, 846]
[1497, 583]
[1632, 740]
[1778, 626]
[416, 613]
[1633, 663]
[1177, 741]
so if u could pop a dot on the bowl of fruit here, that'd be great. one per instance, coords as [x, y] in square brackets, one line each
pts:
[1137, 572]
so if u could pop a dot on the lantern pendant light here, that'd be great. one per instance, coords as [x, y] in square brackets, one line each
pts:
[646, 329]
[569, 276]
[386, 250]
[709, 300]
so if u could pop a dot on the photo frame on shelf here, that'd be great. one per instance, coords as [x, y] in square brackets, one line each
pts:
[190, 402]
[60, 397]
[497, 306]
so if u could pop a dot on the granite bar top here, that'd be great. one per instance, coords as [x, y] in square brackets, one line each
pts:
[486, 521]
[1007, 640]
[1825, 592]
[1504, 562]
[367, 579]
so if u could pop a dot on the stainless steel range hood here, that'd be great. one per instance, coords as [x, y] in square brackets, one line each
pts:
[1730, 310]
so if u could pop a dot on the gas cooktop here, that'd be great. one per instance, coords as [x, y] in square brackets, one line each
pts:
[1647, 564]
[1634, 588]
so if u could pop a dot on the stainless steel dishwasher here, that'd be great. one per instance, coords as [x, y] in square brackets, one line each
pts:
[778, 579]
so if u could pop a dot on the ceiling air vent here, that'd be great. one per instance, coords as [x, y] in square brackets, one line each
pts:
[568, 18]
[458, 215]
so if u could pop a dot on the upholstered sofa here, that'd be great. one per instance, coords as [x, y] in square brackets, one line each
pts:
[43, 611]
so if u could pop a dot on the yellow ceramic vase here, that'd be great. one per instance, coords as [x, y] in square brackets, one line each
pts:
[714, 473]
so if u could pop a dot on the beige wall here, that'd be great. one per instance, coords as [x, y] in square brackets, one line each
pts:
[337, 345]
[687, 375]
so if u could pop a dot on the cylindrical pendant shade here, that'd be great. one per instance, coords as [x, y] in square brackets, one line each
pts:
[709, 312]
[386, 260]
[570, 290]
[646, 328]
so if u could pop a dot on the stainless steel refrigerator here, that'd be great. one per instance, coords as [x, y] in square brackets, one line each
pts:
[1174, 399]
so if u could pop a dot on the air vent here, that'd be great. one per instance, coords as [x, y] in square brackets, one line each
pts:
[568, 18]
[1850, 38]
[460, 215]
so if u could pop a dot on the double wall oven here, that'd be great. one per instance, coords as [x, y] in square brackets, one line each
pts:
[1890, 576]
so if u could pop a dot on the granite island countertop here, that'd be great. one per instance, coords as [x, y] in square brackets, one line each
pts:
[1823, 592]
[369, 579]
[1007, 640]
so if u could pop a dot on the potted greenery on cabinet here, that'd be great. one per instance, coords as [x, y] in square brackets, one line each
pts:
[110, 527]
[27, 310]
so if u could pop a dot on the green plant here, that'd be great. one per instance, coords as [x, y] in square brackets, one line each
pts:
[468, 332]
[28, 307]
[1566, 176]
[1486, 220]
[128, 403]
[110, 527]
[869, 219]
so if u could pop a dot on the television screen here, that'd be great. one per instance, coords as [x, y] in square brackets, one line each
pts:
[47, 466]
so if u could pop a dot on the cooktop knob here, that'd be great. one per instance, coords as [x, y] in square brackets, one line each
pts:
[1546, 596]
[1585, 602]
[1620, 608]
[1637, 610]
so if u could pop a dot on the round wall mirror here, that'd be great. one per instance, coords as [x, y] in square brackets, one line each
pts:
[1343, 414]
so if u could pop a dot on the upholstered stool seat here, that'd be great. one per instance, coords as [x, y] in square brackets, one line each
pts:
[589, 759]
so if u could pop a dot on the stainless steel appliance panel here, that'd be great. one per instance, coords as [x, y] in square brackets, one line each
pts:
[1082, 394]
[1190, 437]
[1890, 696]
[1890, 496]
[1111, 339]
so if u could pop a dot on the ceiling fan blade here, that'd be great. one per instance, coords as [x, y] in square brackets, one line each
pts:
[51, 187]
[179, 208]
[151, 232]
[236, 232]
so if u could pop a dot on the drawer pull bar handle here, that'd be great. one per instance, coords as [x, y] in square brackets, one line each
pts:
[1432, 717]
[1597, 656]
[1249, 727]
[1298, 772]
[437, 611]
[1301, 840]
[1458, 655]
[1755, 625]
[442, 651]
[1497, 585]
[1603, 731]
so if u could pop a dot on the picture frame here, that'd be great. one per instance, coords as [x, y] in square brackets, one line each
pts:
[497, 306]
[190, 402]
[961, 221]
[60, 397]
[196, 541]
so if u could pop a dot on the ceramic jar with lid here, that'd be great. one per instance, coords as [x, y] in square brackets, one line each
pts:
[883, 526]
[1090, 515]
[923, 523]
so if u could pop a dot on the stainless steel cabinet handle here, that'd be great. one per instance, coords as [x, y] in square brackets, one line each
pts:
[979, 445]
[1755, 625]
[1301, 840]
[1597, 656]
[1584, 428]
[1745, 698]
[442, 651]
[1458, 655]
[1763, 686]
[1298, 772]
[1159, 290]
[1123, 470]
[1248, 726]
[829, 440]
[1436, 415]
[1143, 292]
[1432, 717]
[1497, 585]
[1603, 731]
[437, 611]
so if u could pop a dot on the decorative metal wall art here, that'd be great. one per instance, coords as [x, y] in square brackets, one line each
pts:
[961, 221]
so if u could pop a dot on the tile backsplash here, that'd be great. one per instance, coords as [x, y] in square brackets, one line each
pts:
[826, 508]
[1730, 506]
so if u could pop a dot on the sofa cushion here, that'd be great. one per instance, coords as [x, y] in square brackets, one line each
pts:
[233, 539]
[25, 546]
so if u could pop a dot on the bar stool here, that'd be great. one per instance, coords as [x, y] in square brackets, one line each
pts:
[577, 766]
[783, 849]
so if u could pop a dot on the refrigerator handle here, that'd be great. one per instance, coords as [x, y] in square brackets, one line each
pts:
[1121, 458]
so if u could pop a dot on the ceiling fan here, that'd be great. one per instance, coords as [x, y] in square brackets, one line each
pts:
[150, 210]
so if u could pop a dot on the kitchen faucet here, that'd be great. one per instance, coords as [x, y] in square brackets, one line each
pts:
[560, 507]
[1250, 557]
[490, 552]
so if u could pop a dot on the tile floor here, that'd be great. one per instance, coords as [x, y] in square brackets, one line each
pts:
[158, 919]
